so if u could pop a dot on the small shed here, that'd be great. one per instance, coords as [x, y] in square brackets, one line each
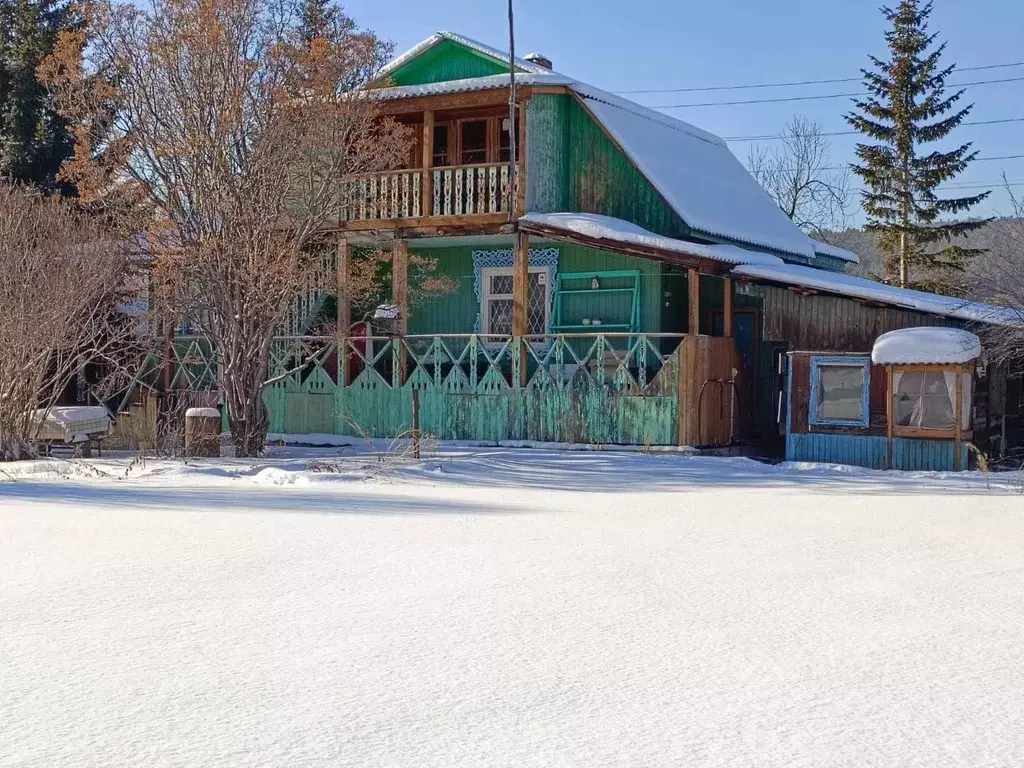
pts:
[906, 404]
[929, 385]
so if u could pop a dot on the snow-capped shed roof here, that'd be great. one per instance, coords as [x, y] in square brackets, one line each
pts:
[692, 169]
[869, 290]
[607, 228]
[926, 345]
[824, 249]
[438, 37]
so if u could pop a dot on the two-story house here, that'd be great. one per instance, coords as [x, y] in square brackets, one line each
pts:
[624, 281]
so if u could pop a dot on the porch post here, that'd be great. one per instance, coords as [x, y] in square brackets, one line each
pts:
[520, 288]
[727, 329]
[959, 419]
[344, 322]
[400, 295]
[427, 203]
[693, 284]
[889, 378]
[344, 297]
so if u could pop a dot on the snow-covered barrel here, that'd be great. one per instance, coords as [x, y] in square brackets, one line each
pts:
[202, 432]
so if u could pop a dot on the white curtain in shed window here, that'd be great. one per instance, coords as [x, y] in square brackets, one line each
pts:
[928, 399]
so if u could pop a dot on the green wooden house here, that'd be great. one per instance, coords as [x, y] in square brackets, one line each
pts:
[625, 280]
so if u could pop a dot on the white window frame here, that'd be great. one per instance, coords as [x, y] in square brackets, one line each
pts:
[486, 296]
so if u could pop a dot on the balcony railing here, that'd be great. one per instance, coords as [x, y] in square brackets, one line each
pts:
[459, 190]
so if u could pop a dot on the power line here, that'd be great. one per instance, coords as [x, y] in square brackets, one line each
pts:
[748, 86]
[846, 167]
[814, 98]
[777, 137]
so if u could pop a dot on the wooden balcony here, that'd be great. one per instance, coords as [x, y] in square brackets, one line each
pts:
[470, 194]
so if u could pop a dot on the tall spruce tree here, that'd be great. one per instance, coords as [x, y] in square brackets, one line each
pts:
[34, 138]
[907, 109]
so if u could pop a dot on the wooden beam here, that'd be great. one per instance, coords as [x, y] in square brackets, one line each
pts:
[520, 198]
[464, 220]
[677, 258]
[343, 269]
[693, 285]
[447, 102]
[400, 296]
[520, 284]
[427, 191]
[889, 378]
[958, 439]
[400, 283]
[727, 319]
[520, 298]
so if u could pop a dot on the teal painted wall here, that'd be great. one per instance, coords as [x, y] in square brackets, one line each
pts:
[871, 450]
[446, 60]
[603, 180]
[547, 158]
[457, 312]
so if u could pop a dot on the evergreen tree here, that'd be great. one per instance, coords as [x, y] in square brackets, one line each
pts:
[34, 139]
[907, 108]
[317, 19]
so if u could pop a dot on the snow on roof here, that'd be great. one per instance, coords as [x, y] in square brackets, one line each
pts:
[859, 287]
[926, 345]
[437, 37]
[608, 228]
[467, 85]
[835, 252]
[698, 175]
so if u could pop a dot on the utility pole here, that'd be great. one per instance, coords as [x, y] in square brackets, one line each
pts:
[511, 115]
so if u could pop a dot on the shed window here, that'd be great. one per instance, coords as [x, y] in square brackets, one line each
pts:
[839, 391]
[927, 399]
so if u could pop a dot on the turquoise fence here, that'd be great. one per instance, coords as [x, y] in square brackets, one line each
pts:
[577, 388]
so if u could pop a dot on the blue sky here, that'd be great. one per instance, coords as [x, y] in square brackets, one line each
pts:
[672, 44]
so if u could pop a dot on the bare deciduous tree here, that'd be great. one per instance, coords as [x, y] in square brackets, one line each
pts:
[61, 273]
[239, 129]
[997, 276]
[799, 176]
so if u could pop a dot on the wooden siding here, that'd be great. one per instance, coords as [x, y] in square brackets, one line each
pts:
[457, 313]
[447, 60]
[830, 323]
[547, 156]
[817, 322]
[870, 451]
[603, 180]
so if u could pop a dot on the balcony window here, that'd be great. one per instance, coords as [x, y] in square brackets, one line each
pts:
[440, 145]
[474, 142]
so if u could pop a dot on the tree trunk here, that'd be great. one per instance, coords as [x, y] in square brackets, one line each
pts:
[244, 375]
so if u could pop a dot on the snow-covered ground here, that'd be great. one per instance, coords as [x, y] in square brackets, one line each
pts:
[496, 607]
